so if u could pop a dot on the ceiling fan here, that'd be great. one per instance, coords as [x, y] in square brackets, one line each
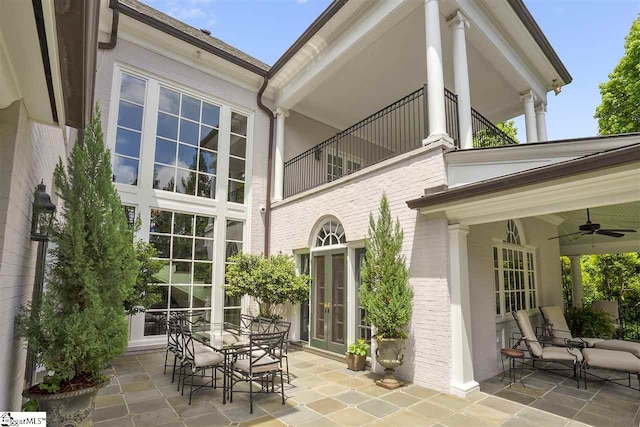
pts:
[594, 228]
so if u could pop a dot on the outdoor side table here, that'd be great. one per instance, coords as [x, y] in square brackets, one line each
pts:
[512, 355]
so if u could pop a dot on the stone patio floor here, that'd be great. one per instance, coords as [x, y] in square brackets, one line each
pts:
[324, 393]
[602, 404]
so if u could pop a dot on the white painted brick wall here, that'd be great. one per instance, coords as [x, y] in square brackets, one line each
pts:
[30, 152]
[428, 354]
[486, 362]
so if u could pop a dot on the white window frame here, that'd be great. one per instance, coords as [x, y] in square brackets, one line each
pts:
[525, 249]
[145, 198]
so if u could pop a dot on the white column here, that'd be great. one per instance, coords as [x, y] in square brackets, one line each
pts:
[278, 170]
[462, 381]
[461, 78]
[435, 74]
[530, 117]
[541, 122]
[576, 281]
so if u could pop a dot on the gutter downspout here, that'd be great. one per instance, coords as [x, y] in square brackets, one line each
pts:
[115, 19]
[267, 212]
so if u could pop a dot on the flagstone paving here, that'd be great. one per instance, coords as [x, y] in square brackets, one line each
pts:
[324, 393]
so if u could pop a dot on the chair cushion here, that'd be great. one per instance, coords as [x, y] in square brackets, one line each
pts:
[561, 354]
[265, 364]
[524, 323]
[611, 359]
[556, 322]
[619, 345]
[201, 348]
[207, 359]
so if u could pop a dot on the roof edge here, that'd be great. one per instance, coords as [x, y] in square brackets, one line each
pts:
[315, 26]
[590, 163]
[534, 29]
[167, 29]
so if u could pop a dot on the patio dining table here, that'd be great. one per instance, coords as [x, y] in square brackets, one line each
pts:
[227, 339]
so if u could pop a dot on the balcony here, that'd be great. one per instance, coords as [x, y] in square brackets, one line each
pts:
[398, 128]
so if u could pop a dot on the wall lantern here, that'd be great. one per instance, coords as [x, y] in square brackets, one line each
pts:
[43, 212]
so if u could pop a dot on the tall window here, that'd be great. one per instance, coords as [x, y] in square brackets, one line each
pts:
[237, 158]
[186, 157]
[514, 274]
[363, 329]
[126, 159]
[186, 243]
[233, 246]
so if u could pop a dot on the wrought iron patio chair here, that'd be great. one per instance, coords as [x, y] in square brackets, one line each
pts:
[261, 368]
[283, 354]
[537, 352]
[198, 358]
[558, 330]
[173, 346]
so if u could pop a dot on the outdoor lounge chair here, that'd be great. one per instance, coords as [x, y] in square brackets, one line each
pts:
[547, 354]
[621, 361]
[556, 326]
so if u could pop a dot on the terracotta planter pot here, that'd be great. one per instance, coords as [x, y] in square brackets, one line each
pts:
[73, 408]
[390, 354]
[355, 362]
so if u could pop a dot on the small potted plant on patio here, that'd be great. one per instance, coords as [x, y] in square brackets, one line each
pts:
[357, 355]
[271, 281]
[80, 325]
[385, 291]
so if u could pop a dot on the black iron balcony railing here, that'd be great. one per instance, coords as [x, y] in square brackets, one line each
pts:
[398, 128]
[486, 134]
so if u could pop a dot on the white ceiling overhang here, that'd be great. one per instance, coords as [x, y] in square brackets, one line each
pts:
[370, 54]
[611, 186]
[23, 76]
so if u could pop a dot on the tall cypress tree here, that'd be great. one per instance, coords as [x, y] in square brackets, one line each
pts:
[81, 325]
[385, 291]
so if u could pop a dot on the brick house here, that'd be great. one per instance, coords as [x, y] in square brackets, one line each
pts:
[217, 152]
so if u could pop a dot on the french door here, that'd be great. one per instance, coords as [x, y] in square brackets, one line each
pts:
[329, 301]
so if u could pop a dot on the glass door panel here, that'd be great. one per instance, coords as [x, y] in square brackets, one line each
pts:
[318, 302]
[329, 301]
[338, 288]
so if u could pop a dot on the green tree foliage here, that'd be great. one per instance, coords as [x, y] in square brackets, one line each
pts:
[491, 138]
[619, 111]
[270, 281]
[80, 325]
[385, 291]
[145, 293]
[589, 323]
[613, 277]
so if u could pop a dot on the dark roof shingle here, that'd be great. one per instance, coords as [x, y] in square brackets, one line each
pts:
[164, 22]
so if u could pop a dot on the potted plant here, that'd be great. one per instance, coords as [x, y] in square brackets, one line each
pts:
[357, 355]
[271, 281]
[385, 291]
[80, 324]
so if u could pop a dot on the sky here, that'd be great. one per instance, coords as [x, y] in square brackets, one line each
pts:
[588, 35]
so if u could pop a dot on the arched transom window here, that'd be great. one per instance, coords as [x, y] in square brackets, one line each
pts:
[513, 234]
[331, 233]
